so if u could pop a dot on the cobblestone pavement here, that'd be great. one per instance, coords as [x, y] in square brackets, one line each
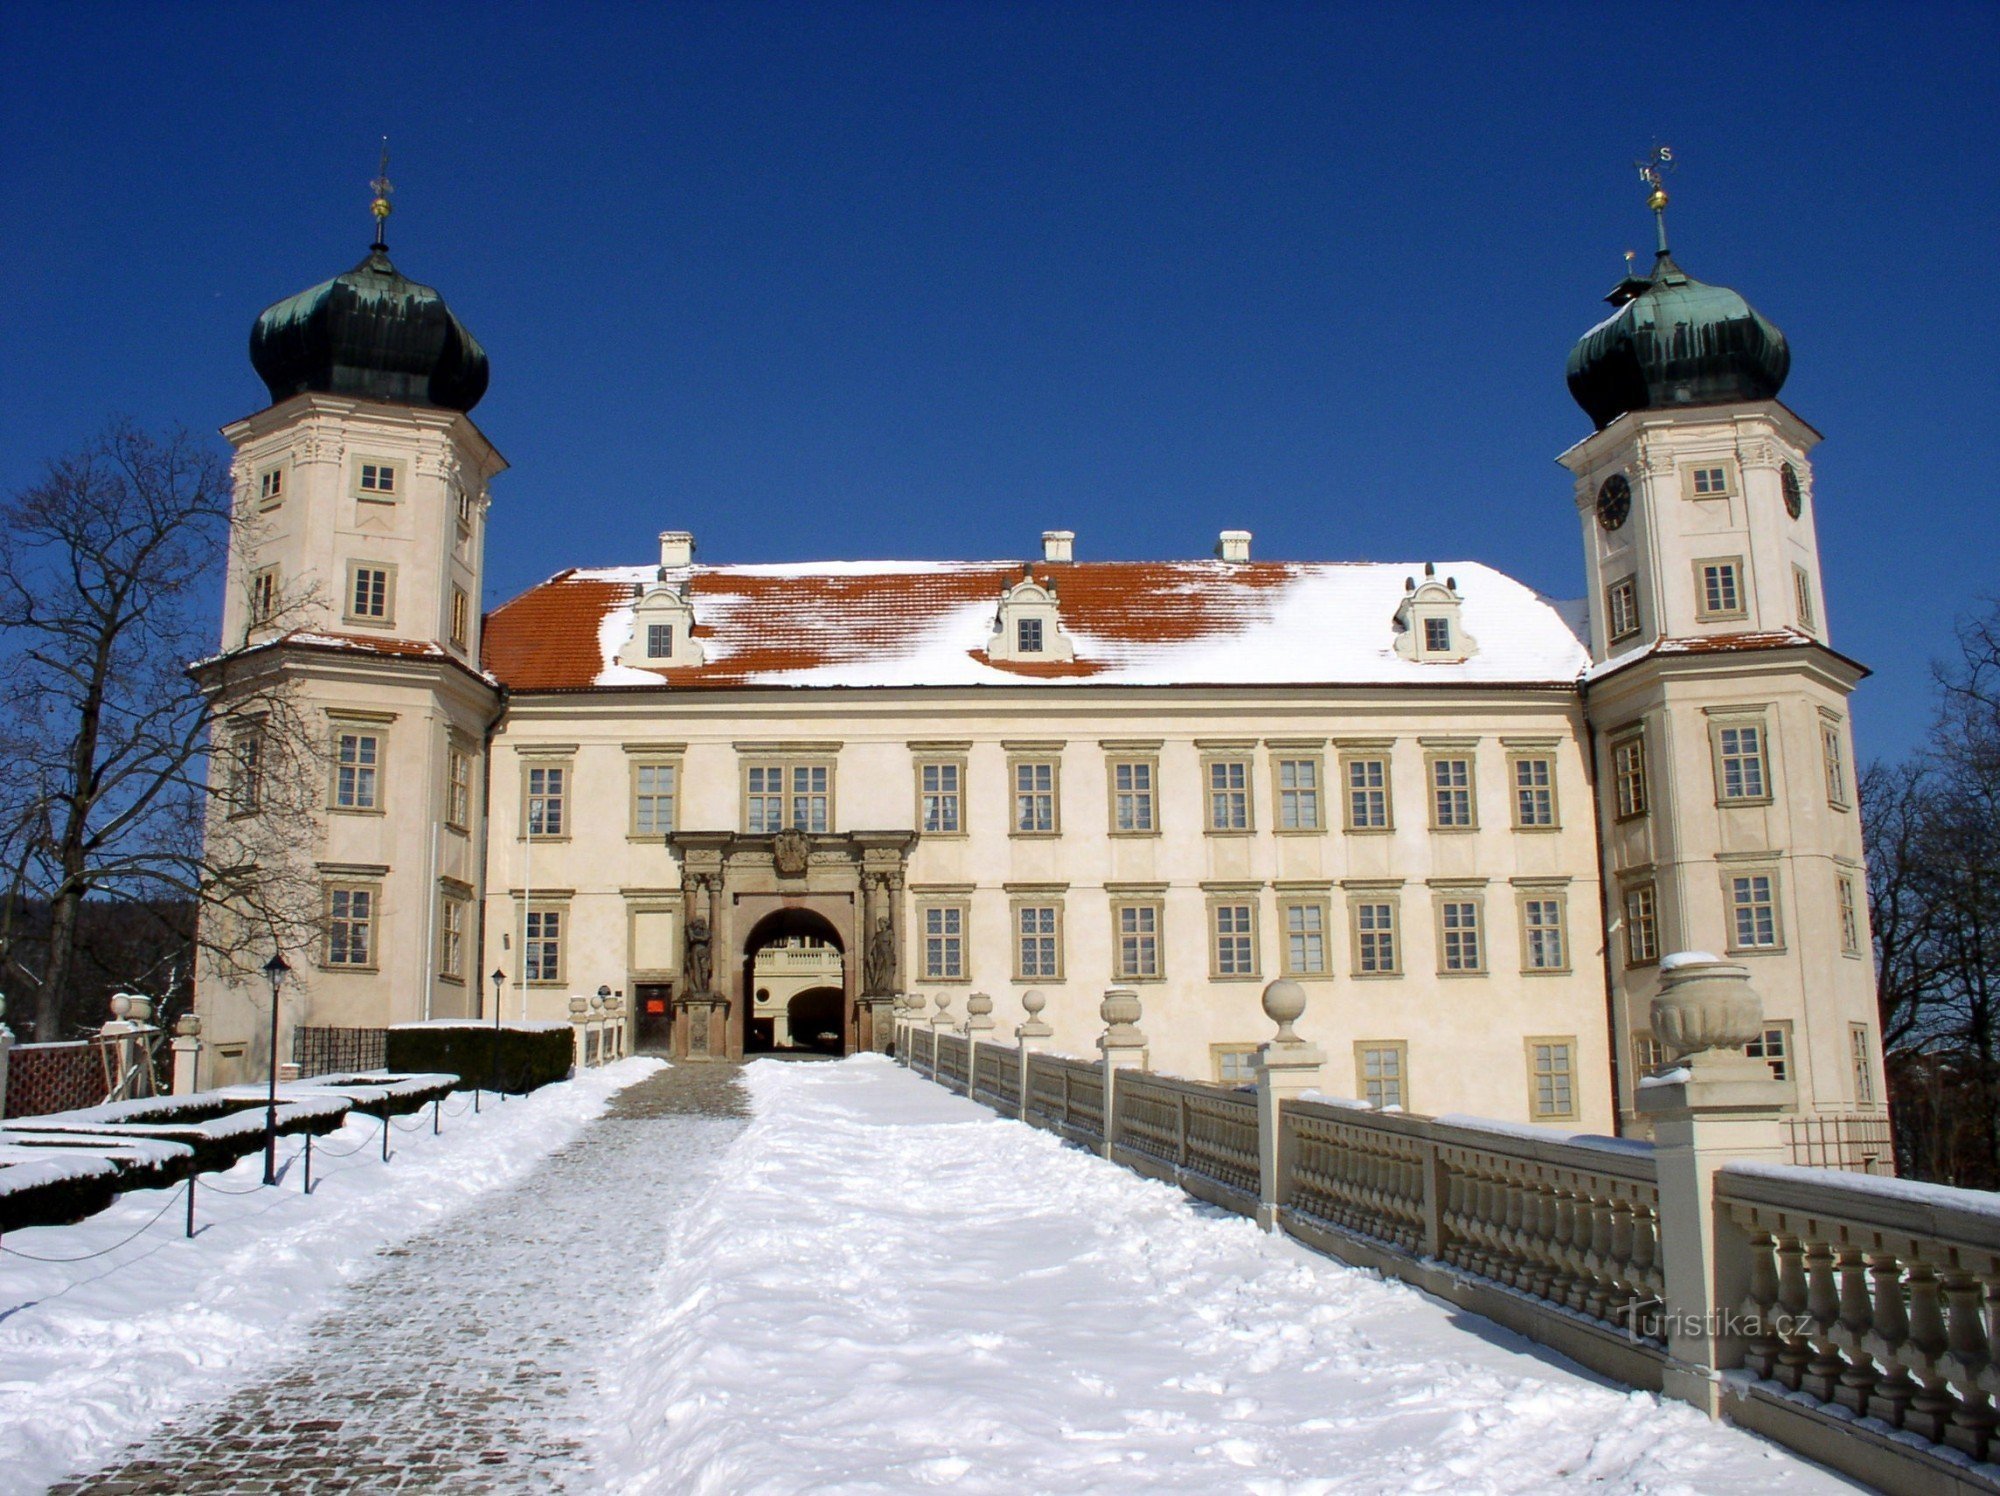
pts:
[464, 1363]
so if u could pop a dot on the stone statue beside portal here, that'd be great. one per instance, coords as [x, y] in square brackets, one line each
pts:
[879, 967]
[698, 966]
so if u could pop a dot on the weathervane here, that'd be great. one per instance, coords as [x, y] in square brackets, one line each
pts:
[1652, 171]
[381, 187]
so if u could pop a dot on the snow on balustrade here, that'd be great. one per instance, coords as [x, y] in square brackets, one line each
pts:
[1874, 1296]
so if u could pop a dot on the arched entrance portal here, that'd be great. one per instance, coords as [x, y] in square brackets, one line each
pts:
[794, 985]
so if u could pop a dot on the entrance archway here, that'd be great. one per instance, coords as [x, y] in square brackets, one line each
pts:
[794, 985]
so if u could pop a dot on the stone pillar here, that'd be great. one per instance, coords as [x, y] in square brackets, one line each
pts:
[579, 1018]
[1033, 1037]
[6, 1044]
[978, 1024]
[187, 1057]
[1286, 1066]
[1711, 1106]
[1123, 1048]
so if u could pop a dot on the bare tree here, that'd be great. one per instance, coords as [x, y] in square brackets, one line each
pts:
[131, 778]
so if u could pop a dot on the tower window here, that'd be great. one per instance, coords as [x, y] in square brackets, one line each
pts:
[1850, 915]
[1621, 609]
[1774, 1048]
[1628, 774]
[263, 595]
[1754, 909]
[1028, 635]
[270, 488]
[1864, 1070]
[1739, 762]
[1437, 635]
[1802, 597]
[461, 617]
[357, 756]
[1711, 482]
[1833, 760]
[350, 926]
[368, 594]
[1642, 926]
[1721, 589]
[379, 480]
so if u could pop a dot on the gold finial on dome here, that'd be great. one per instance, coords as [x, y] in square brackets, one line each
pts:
[381, 187]
[1652, 171]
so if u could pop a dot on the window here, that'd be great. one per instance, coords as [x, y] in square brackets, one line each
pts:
[458, 788]
[941, 798]
[464, 509]
[653, 789]
[1542, 944]
[1774, 1048]
[263, 595]
[270, 488]
[659, 641]
[1648, 1053]
[1719, 589]
[1305, 939]
[1458, 936]
[1367, 794]
[1534, 793]
[777, 796]
[1235, 1064]
[461, 617]
[1621, 609]
[1833, 759]
[1038, 948]
[350, 926]
[1850, 914]
[1233, 948]
[1864, 1070]
[246, 783]
[1753, 911]
[1642, 926]
[1379, 1066]
[368, 593]
[1133, 806]
[1739, 762]
[1451, 794]
[944, 943]
[1298, 794]
[356, 771]
[1437, 636]
[378, 480]
[548, 797]
[1028, 635]
[1802, 599]
[542, 945]
[1551, 1079]
[1035, 798]
[1628, 776]
[1710, 482]
[1228, 794]
[1375, 938]
[451, 937]
[1138, 942]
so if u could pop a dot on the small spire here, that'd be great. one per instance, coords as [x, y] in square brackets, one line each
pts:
[1652, 171]
[381, 187]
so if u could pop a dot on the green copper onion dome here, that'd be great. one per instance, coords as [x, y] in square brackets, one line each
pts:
[1675, 341]
[372, 333]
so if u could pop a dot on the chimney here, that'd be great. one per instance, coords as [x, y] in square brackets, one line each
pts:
[1234, 545]
[1058, 545]
[676, 548]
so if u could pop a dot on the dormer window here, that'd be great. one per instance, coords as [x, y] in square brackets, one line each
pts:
[662, 629]
[1029, 624]
[659, 641]
[1428, 627]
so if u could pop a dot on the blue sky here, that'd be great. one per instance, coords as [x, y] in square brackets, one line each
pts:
[926, 279]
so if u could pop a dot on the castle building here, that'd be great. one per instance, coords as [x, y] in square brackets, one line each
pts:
[759, 801]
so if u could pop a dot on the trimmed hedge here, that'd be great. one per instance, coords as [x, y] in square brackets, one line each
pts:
[528, 1056]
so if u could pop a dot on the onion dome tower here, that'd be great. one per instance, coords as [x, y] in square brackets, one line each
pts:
[372, 333]
[1674, 341]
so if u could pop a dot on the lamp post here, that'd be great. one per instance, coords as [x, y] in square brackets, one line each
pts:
[275, 971]
[499, 980]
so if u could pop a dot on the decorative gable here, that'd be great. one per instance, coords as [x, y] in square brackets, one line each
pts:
[1028, 627]
[662, 636]
[1429, 629]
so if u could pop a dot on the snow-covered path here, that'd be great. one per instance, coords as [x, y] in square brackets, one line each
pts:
[887, 1288]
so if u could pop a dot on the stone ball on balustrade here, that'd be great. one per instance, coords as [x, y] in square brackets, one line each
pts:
[943, 1001]
[1033, 1001]
[1284, 1004]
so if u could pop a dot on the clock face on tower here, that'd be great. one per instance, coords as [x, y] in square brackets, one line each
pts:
[1795, 502]
[1614, 501]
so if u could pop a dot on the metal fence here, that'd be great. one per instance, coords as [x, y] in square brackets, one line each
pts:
[337, 1051]
[44, 1078]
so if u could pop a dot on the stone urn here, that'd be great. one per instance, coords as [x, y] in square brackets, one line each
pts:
[1120, 1012]
[189, 1026]
[1705, 1005]
[979, 1012]
[579, 1008]
[1284, 1004]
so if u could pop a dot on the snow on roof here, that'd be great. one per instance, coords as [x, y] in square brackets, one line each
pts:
[926, 623]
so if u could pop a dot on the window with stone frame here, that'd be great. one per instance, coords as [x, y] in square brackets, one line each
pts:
[357, 762]
[246, 777]
[1452, 805]
[1035, 782]
[370, 593]
[263, 595]
[378, 479]
[1377, 950]
[659, 641]
[941, 796]
[1849, 903]
[546, 790]
[1741, 768]
[543, 946]
[461, 617]
[1228, 794]
[1437, 636]
[1628, 775]
[1753, 911]
[351, 914]
[1719, 588]
[1642, 925]
[1038, 942]
[1305, 922]
[655, 789]
[1552, 1079]
[1134, 797]
[1380, 1070]
[944, 942]
[1621, 609]
[1028, 635]
[1774, 1047]
[1367, 784]
[1232, 939]
[1534, 792]
[1137, 955]
[1648, 1054]
[1709, 481]
[1544, 938]
[1298, 793]
[1461, 946]
[271, 488]
[1833, 762]
[787, 795]
[1802, 599]
[1861, 1055]
[457, 788]
[452, 909]
[1234, 1065]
